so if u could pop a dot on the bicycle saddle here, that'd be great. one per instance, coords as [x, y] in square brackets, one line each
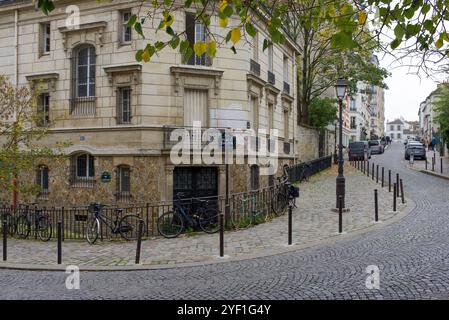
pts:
[95, 207]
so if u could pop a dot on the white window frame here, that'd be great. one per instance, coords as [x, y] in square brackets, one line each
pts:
[41, 180]
[121, 102]
[87, 176]
[46, 38]
[125, 28]
[270, 57]
[200, 36]
[89, 65]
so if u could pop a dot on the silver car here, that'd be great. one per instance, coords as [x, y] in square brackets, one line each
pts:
[418, 150]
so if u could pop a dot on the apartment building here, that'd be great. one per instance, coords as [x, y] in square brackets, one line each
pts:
[118, 114]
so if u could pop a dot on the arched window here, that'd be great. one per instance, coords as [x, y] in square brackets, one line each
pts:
[83, 169]
[254, 177]
[83, 82]
[42, 180]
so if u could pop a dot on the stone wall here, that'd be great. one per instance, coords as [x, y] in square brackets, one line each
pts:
[308, 141]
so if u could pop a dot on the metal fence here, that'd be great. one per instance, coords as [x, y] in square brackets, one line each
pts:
[304, 170]
[246, 208]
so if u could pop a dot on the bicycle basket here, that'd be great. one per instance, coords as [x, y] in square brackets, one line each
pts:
[294, 192]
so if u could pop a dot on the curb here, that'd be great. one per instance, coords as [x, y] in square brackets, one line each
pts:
[410, 205]
[428, 172]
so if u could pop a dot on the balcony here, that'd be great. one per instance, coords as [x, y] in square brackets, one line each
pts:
[271, 78]
[254, 67]
[286, 87]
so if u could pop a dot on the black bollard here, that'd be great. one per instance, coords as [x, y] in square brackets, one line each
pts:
[59, 235]
[402, 192]
[376, 207]
[383, 176]
[290, 214]
[139, 241]
[433, 164]
[441, 165]
[389, 180]
[367, 169]
[397, 185]
[394, 197]
[372, 172]
[377, 173]
[340, 214]
[5, 240]
[221, 235]
[426, 163]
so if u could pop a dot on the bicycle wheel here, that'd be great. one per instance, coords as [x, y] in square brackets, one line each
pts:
[279, 203]
[44, 229]
[10, 224]
[23, 227]
[92, 230]
[306, 173]
[170, 224]
[209, 221]
[129, 227]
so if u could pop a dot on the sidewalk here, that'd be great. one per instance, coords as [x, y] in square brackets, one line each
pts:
[313, 222]
[420, 165]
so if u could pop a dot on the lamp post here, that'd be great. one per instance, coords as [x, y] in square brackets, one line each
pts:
[340, 89]
[335, 143]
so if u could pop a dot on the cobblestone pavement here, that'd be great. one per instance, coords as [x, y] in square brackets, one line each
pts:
[312, 221]
[412, 256]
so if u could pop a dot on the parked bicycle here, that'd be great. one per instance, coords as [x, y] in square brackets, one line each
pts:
[10, 223]
[37, 218]
[285, 194]
[305, 172]
[250, 209]
[198, 213]
[127, 226]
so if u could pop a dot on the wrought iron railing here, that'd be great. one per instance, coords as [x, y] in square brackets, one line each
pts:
[254, 67]
[286, 87]
[271, 78]
[297, 172]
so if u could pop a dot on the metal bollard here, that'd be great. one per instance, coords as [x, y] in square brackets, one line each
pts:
[376, 206]
[59, 235]
[397, 185]
[290, 214]
[221, 235]
[340, 214]
[372, 172]
[394, 197]
[426, 163]
[377, 173]
[402, 192]
[441, 165]
[433, 164]
[139, 241]
[389, 180]
[383, 173]
[367, 169]
[5, 240]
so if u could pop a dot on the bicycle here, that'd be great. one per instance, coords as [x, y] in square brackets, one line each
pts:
[305, 173]
[285, 195]
[10, 223]
[252, 210]
[172, 223]
[37, 218]
[127, 226]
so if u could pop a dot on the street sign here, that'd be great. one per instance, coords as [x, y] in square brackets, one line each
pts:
[105, 177]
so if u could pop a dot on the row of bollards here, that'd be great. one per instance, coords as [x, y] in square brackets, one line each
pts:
[398, 186]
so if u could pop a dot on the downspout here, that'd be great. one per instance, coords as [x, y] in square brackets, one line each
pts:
[16, 82]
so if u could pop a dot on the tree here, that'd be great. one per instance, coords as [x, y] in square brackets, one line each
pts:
[20, 137]
[323, 111]
[442, 111]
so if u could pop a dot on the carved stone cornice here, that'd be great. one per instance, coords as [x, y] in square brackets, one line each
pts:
[129, 68]
[92, 26]
[196, 71]
[49, 77]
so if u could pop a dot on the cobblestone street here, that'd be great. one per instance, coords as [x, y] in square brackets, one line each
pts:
[313, 221]
[412, 256]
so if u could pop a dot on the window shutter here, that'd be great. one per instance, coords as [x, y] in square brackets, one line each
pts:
[190, 32]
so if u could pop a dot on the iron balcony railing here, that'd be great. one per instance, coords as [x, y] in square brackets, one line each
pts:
[254, 67]
[286, 87]
[271, 78]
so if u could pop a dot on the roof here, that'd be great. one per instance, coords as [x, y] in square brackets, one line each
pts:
[397, 121]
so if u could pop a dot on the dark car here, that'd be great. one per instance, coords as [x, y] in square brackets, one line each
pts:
[359, 150]
[376, 147]
[418, 150]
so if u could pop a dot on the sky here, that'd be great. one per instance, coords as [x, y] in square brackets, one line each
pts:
[406, 91]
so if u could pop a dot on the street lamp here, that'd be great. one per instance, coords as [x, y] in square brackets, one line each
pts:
[335, 142]
[340, 89]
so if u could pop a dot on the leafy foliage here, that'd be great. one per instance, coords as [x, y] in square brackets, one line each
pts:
[323, 111]
[442, 111]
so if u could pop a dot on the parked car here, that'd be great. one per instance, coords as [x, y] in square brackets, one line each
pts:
[359, 150]
[376, 147]
[419, 151]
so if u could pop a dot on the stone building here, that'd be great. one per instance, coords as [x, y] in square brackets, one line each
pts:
[117, 114]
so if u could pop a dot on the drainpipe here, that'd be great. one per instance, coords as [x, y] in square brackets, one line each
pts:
[16, 82]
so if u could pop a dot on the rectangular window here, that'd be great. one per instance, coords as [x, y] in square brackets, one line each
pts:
[392, 128]
[256, 47]
[195, 107]
[353, 125]
[85, 166]
[195, 32]
[286, 75]
[270, 57]
[399, 128]
[254, 111]
[42, 180]
[399, 136]
[270, 116]
[44, 109]
[124, 180]
[124, 105]
[286, 126]
[126, 30]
